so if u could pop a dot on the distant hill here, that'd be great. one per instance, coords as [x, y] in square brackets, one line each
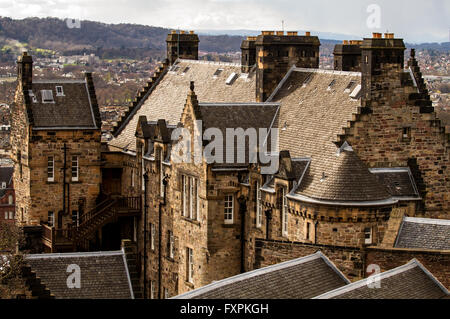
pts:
[111, 40]
[44, 36]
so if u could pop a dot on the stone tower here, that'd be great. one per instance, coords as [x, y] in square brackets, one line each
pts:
[277, 52]
[248, 49]
[382, 58]
[25, 70]
[347, 56]
[182, 45]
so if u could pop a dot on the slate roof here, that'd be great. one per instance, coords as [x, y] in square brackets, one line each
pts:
[301, 278]
[168, 98]
[238, 115]
[75, 109]
[410, 281]
[399, 182]
[424, 233]
[338, 175]
[104, 275]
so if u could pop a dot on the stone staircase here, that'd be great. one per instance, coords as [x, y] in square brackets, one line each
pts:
[37, 288]
[131, 255]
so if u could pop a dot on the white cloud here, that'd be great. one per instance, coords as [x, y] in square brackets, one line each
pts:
[415, 20]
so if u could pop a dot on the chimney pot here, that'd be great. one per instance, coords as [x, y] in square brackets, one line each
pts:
[280, 32]
[308, 34]
[292, 33]
[182, 32]
[173, 32]
[345, 42]
[376, 35]
[191, 32]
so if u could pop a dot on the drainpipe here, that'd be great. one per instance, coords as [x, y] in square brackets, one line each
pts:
[145, 232]
[162, 203]
[268, 220]
[64, 179]
[242, 211]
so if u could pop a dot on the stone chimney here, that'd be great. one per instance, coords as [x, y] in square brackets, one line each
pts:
[347, 56]
[25, 70]
[276, 53]
[382, 58]
[182, 45]
[248, 49]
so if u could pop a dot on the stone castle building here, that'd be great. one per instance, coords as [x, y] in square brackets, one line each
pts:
[359, 147]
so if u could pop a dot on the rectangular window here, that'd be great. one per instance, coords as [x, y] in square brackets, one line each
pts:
[406, 133]
[10, 200]
[190, 197]
[171, 245]
[3, 185]
[258, 206]
[51, 219]
[50, 169]
[11, 215]
[228, 209]
[59, 91]
[6, 215]
[75, 168]
[190, 265]
[368, 236]
[152, 236]
[308, 229]
[75, 218]
[143, 167]
[152, 289]
[132, 177]
[284, 214]
[166, 293]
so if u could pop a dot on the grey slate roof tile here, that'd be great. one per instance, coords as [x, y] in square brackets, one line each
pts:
[301, 278]
[424, 233]
[104, 275]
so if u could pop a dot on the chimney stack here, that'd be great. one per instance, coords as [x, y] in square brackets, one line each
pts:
[347, 56]
[25, 70]
[182, 45]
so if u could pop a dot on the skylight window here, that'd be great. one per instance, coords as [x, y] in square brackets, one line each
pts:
[330, 86]
[233, 76]
[349, 86]
[47, 96]
[59, 91]
[356, 94]
[186, 69]
[174, 68]
[217, 73]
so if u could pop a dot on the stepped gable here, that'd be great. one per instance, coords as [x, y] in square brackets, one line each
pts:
[315, 107]
[166, 100]
[301, 278]
[104, 275]
[341, 176]
[410, 281]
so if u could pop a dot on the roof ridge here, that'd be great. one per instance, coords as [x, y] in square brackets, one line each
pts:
[251, 274]
[209, 62]
[77, 254]
[430, 221]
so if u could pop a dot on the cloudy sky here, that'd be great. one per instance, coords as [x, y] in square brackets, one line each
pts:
[414, 20]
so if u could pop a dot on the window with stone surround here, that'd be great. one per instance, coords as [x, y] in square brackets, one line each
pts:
[59, 91]
[10, 200]
[308, 231]
[368, 236]
[152, 236]
[51, 219]
[11, 215]
[50, 169]
[284, 214]
[170, 245]
[228, 204]
[190, 265]
[75, 218]
[75, 169]
[190, 199]
[152, 289]
[161, 173]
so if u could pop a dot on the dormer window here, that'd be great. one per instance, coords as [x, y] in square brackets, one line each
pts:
[349, 86]
[217, 73]
[59, 91]
[47, 96]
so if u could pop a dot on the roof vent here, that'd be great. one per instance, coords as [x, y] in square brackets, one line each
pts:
[349, 87]
[307, 81]
[330, 86]
[324, 177]
[233, 76]
[356, 94]
[33, 97]
[217, 73]
[345, 147]
[185, 70]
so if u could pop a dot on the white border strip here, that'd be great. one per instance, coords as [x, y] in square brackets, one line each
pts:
[302, 198]
[128, 272]
[429, 221]
[74, 255]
